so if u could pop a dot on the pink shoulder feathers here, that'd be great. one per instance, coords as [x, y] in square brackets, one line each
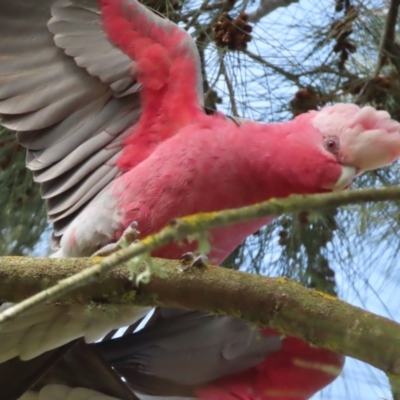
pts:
[167, 70]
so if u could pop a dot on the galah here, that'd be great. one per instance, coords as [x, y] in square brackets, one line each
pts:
[218, 359]
[107, 98]
[182, 355]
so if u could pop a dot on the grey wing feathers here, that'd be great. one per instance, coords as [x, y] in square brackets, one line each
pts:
[201, 347]
[82, 366]
[74, 365]
[74, 20]
[28, 372]
[71, 101]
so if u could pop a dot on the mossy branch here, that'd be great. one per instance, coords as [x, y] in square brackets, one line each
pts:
[279, 303]
[198, 225]
[256, 301]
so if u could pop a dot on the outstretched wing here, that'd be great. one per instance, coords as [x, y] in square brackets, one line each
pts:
[72, 94]
[78, 373]
[75, 98]
[201, 347]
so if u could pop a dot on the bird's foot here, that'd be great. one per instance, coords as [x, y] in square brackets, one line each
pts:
[190, 260]
[129, 236]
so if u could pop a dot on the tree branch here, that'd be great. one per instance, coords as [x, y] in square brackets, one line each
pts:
[387, 48]
[198, 226]
[197, 13]
[266, 7]
[229, 86]
[288, 75]
[388, 34]
[279, 303]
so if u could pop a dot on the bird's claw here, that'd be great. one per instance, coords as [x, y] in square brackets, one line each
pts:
[130, 235]
[107, 250]
[190, 260]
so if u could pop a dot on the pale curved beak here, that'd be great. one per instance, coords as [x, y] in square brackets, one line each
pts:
[347, 176]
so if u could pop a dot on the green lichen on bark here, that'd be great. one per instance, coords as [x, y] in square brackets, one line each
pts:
[279, 303]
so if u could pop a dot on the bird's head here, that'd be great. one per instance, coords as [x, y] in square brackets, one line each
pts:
[360, 139]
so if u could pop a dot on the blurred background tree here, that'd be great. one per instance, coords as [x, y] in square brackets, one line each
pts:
[270, 60]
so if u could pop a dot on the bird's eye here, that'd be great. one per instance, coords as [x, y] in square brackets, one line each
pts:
[332, 144]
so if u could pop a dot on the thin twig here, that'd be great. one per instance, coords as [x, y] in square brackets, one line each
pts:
[207, 86]
[244, 6]
[192, 13]
[202, 41]
[327, 69]
[229, 86]
[288, 75]
[266, 7]
[196, 15]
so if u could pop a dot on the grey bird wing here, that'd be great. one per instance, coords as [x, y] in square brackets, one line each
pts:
[74, 371]
[17, 376]
[200, 347]
[175, 353]
[70, 94]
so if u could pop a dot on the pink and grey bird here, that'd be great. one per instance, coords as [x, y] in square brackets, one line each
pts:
[179, 355]
[107, 98]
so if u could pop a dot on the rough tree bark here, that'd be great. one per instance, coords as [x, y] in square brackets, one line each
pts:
[279, 303]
